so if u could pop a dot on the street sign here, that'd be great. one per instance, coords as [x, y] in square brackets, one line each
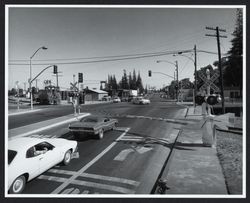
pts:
[209, 82]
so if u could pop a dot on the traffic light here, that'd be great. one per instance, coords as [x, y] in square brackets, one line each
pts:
[55, 69]
[149, 73]
[199, 99]
[80, 77]
[213, 99]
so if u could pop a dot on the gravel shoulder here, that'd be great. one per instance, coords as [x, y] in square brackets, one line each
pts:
[229, 151]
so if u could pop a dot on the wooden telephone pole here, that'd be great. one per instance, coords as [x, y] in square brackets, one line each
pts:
[217, 35]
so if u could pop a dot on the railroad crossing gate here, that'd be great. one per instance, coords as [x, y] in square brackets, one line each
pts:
[209, 82]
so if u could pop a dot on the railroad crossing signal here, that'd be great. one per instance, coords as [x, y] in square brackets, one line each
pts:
[73, 86]
[209, 82]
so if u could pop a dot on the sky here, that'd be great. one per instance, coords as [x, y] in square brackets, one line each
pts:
[74, 33]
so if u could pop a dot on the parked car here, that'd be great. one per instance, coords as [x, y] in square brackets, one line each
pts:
[116, 100]
[93, 125]
[28, 157]
[141, 100]
[106, 98]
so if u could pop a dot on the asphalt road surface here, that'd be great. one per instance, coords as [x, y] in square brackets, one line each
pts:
[128, 160]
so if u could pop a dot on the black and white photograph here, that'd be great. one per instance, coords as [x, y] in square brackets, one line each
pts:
[125, 101]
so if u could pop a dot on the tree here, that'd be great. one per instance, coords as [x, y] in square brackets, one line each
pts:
[124, 81]
[233, 74]
[133, 82]
[139, 83]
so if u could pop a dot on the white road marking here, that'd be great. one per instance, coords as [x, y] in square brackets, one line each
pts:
[76, 191]
[89, 184]
[103, 186]
[85, 192]
[95, 176]
[112, 179]
[143, 150]
[67, 191]
[70, 180]
[123, 154]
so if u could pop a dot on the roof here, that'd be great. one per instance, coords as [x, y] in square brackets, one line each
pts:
[23, 142]
[98, 91]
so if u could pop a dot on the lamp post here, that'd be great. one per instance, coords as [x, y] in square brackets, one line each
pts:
[177, 71]
[30, 80]
[195, 68]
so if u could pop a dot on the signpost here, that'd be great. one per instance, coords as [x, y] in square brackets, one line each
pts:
[75, 102]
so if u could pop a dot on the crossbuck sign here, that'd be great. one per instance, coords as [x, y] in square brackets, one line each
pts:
[209, 82]
[73, 86]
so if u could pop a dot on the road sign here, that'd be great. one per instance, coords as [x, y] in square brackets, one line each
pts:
[209, 82]
[73, 86]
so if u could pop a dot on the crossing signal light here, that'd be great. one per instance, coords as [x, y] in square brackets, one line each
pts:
[199, 99]
[80, 77]
[149, 73]
[213, 99]
[55, 69]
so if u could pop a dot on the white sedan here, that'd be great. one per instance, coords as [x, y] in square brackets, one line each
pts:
[29, 157]
[141, 100]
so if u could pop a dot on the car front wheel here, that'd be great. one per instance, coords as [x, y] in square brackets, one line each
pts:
[18, 185]
[67, 158]
[100, 134]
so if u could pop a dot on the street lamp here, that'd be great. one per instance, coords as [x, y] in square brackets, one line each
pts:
[30, 80]
[177, 80]
[195, 67]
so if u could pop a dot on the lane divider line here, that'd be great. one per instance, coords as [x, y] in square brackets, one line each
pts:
[83, 169]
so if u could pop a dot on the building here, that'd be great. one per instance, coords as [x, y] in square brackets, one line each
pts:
[95, 95]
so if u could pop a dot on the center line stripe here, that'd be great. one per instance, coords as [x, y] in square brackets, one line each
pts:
[70, 180]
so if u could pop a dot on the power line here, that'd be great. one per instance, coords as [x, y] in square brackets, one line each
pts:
[136, 56]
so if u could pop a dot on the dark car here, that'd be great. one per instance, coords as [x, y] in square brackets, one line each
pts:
[94, 125]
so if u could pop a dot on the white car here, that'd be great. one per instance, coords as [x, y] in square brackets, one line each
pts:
[141, 100]
[116, 100]
[29, 157]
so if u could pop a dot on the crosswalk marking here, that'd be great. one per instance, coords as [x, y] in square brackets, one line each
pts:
[85, 192]
[113, 188]
[96, 176]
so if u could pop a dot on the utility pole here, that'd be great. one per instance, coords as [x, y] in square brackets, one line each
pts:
[217, 35]
[195, 71]
[177, 80]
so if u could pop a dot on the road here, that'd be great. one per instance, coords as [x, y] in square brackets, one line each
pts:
[128, 160]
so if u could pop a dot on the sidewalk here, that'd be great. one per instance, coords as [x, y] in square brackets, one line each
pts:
[194, 168]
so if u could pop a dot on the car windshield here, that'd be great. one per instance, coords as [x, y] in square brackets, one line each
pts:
[90, 120]
[11, 155]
